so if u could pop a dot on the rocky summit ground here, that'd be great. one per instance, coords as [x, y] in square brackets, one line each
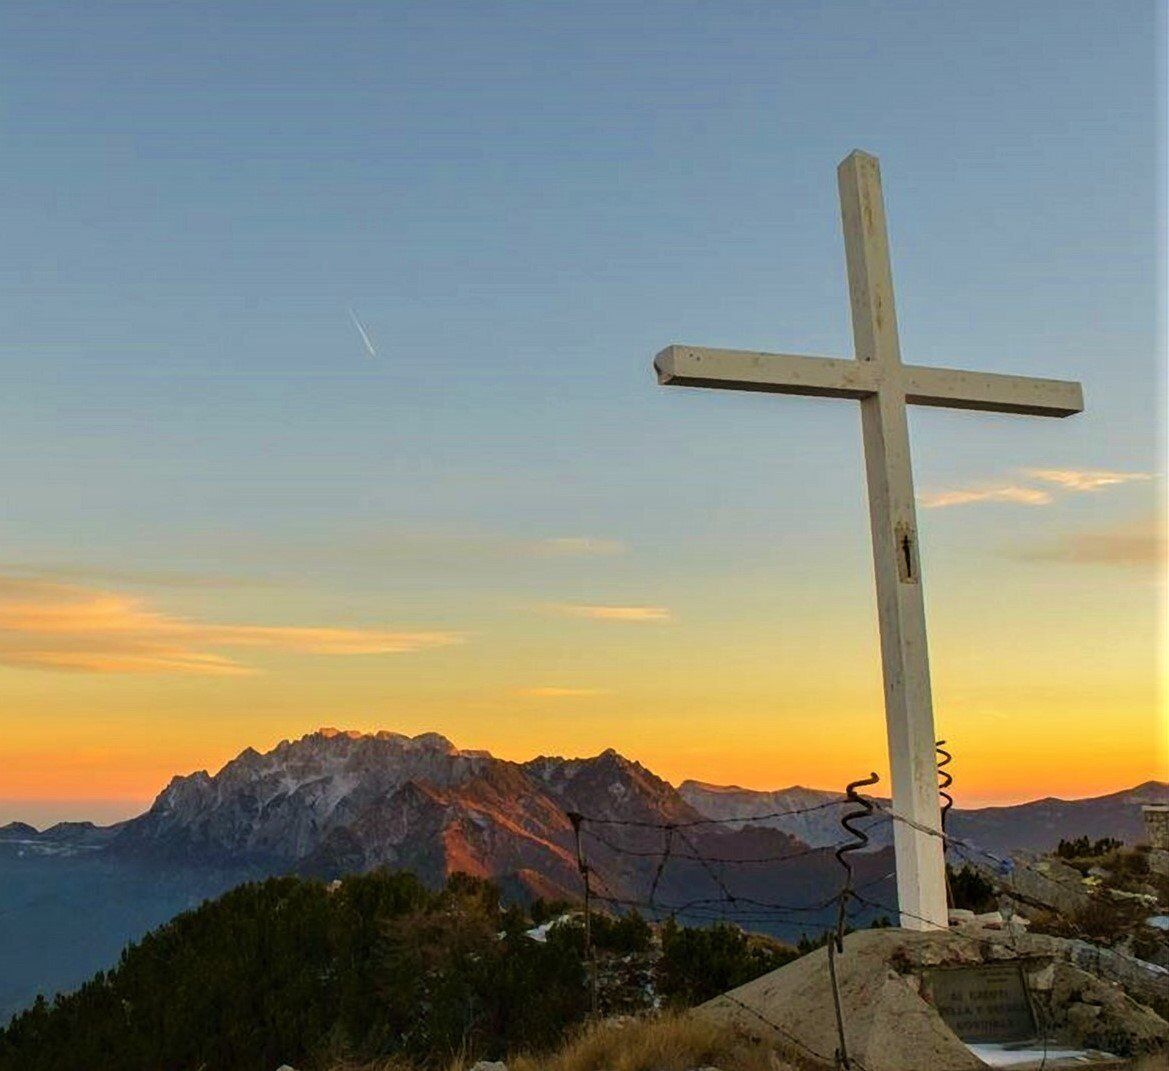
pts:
[891, 1025]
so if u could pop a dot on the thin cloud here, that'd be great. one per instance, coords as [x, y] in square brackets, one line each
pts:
[1027, 496]
[627, 614]
[57, 626]
[442, 548]
[1066, 480]
[1085, 479]
[578, 547]
[163, 578]
[370, 351]
[557, 692]
[1137, 544]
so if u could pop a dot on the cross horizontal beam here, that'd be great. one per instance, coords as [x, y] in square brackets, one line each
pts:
[832, 377]
[955, 389]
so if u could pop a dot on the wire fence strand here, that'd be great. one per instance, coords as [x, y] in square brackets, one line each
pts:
[679, 847]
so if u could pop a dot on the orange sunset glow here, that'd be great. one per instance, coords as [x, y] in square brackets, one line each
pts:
[330, 396]
[122, 687]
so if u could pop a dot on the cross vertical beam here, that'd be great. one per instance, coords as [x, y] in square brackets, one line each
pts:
[909, 714]
[877, 379]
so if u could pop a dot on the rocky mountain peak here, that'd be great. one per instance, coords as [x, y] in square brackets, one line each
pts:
[434, 742]
[287, 802]
[18, 829]
[339, 799]
[329, 736]
[328, 732]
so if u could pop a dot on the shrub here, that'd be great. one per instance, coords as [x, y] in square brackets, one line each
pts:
[1083, 848]
[543, 910]
[698, 964]
[628, 933]
[970, 890]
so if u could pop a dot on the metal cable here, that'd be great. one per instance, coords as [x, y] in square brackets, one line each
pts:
[746, 820]
[787, 1033]
[653, 853]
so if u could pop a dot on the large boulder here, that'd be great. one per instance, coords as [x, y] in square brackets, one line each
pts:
[1041, 881]
[887, 1024]
[890, 1023]
[1159, 861]
[1096, 1014]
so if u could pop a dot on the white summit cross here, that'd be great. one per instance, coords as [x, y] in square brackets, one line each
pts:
[883, 385]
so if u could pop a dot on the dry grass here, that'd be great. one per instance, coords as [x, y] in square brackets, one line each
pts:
[391, 1063]
[672, 1042]
[667, 1042]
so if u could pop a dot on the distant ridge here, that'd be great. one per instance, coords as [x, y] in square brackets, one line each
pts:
[1036, 826]
[340, 799]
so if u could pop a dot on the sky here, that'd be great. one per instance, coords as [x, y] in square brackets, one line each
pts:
[326, 394]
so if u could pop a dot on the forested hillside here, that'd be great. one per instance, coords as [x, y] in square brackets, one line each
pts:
[298, 971]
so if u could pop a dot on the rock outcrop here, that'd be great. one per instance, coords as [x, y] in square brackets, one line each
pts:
[338, 802]
[890, 1023]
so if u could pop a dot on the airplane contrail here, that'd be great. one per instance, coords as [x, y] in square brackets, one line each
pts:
[369, 347]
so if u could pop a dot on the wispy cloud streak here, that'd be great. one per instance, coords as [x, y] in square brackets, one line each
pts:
[1027, 496]
[1136, 544]
[447, 548]
[68, 573]
[370, 351]
[577, 547]
[625, 614]
[56, 626]
[1085, 479]
[1072, 481]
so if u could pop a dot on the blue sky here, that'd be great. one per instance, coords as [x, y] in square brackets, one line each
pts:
[522, 203]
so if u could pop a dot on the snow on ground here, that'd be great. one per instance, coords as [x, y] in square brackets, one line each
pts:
[1032, 1056]
[540, 933]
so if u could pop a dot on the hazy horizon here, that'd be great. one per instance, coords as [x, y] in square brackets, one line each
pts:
[42, 812]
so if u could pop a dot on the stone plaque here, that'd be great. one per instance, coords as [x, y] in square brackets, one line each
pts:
[987, 1003]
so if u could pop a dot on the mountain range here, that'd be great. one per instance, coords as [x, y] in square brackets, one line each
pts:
[1037, 826]
[347, 800]
[336, 802]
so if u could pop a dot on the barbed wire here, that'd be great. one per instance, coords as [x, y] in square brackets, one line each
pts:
[853, 901]
[674, 831]
[742, 820]
[730, 860]
[678, 846]
[699, 903]
[946, 779]
[747, 908]
[782, 1030]
[964, 849]
[968, 849]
